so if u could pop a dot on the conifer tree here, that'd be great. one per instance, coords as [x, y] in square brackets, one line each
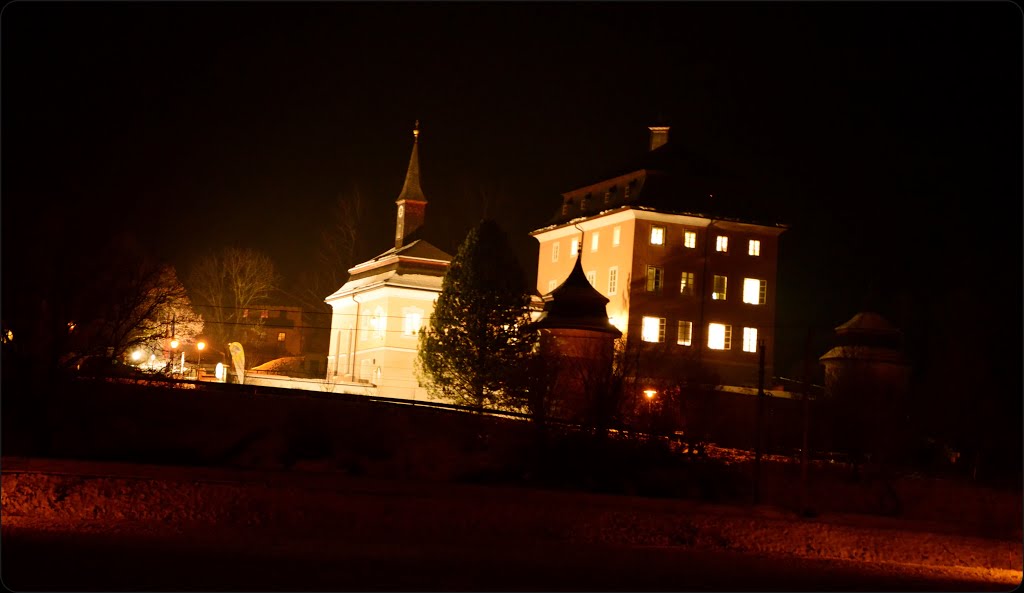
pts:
[477, 341]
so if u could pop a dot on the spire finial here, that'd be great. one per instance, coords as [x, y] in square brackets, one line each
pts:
[416, 131]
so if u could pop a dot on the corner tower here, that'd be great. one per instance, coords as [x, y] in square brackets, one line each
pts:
[412, 204]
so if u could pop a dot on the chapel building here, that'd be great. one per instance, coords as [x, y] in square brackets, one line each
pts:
[379, 312]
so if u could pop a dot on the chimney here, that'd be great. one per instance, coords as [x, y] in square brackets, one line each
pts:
[659, 135]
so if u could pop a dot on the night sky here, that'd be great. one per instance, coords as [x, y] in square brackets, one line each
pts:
[887, 135]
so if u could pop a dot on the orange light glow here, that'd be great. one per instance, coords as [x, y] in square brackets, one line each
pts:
[649, 393]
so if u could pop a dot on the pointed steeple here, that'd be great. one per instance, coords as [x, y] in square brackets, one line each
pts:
[412, 204]
[411, 189]
[576, 304]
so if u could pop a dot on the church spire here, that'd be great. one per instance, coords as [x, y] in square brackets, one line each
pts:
[412, 204]
[411, 189]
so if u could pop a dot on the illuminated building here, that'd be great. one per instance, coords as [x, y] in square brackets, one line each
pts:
[670, 241]
[378, 313]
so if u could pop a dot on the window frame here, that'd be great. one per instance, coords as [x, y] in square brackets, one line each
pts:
[714, 288]
[726, 335]
[689, 235]
[657, 283]
[689, 333]
[613, 280]
[664, 234]
[555, 249]
[762, 291]
[754, 248]
[686, 284]
[750, 339]
[722, 243]
[662, 322]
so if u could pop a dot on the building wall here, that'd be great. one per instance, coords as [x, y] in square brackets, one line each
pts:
[377, 346]
[632, 300]
[264, 344]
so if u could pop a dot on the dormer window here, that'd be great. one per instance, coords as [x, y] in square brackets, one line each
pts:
[585, 202]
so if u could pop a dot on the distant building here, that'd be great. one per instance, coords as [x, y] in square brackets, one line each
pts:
[279, 331]
[379, 312]
[672, 243]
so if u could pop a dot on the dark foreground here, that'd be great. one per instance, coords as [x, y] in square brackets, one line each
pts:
[241, 561]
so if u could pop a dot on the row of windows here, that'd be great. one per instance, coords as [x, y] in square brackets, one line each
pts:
[595, 242]
[658, 234]
[719, 334]
[378, 322]
[755, 290]
[657, 238]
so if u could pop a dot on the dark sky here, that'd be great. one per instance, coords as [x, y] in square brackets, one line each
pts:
[888, 135]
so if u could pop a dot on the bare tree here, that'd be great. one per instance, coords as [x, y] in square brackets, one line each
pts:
[335, 253]
[225, 286]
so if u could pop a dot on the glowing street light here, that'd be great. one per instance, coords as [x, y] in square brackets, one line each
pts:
[199, 361]
[137, 355]
[649, 394]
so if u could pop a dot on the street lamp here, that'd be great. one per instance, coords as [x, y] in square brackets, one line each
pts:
[649, 394]
[199, 361]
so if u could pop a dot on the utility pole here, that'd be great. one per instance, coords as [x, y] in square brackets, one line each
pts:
[805, 442]
[759, 433]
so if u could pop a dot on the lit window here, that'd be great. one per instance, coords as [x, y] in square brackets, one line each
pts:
[754, 247]
[575, 248]
[685, 333]
[378, 323]
[653, 329]
[718, 292]
[592, 278]
[722, 243]
[412, 323]
[689, 239]
[719, 336]
[686, 284]
[657, 235]
[264, 314]
[280, 337]
[554, 251]
[750, 339]
[551, 285]
[754, 291]
[245, 313]
[613, 280]
[593, 241]
[616, 235]
[654, 279]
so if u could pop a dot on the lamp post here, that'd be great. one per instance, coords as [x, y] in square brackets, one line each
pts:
[174, 352]
[199, 360]
[649, 394]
